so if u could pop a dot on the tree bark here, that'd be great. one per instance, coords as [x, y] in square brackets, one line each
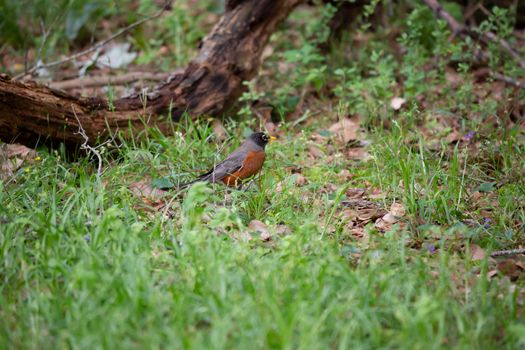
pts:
[31, 114]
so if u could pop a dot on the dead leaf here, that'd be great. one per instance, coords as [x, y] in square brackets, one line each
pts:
[381, 225]
[280, 186]
[476, 252]
[387, 222]
[16, 150]
[315, 152]
[397, 102]
[243, 236]
[262, 228]
[476, 196]
[300, 180]
[283, 230]
[509, 268]
[353, 193]
[348, 215]
[328, 188]
[272, 129]
[9, 166]
[452, 77]
[398, 210]
[358, 153]
[388, 218]
[218, 129]
[492, 273]
[367, 214]
[345, 129]
[376, 194]
[358, 232]
[144, 189]
[344, 175]
[266, 236]
[12, 157]
[453, 137]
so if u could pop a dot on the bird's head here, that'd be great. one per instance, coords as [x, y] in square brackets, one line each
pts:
[261, 138]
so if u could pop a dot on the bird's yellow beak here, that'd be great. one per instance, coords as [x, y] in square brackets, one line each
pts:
[273, 138]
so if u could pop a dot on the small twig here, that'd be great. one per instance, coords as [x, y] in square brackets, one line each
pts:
[508, 80]
[86, 146]
[440, 12]
[507, 252]
[95, 47]
[108, 80]
[490, 36]
[460, 29]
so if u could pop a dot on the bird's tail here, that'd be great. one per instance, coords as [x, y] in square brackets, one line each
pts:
[181, 186]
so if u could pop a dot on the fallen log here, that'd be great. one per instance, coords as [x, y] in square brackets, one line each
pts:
[31, 114]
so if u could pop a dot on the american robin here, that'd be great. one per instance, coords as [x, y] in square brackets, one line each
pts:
[243, 163]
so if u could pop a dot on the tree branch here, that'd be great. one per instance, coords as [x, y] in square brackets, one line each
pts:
[507, 252]
[460, 29]
[105, 80]
[210, 84]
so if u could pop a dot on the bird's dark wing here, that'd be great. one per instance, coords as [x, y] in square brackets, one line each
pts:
[228, 166]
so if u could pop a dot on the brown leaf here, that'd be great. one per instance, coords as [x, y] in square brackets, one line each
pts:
[282, 230]
[9, 166]
[397, 102]
[262, 228]
[452, 77]
[358, 232]
[280, 186]
[509, 268]
[144, 189]
[344, 175]
[271, 128]
[476, 196]
[243, 236]
[358, 153]
[218, 129]
[345, 129]
[353, 193]
[328, 188]
[397, 210]
[376, 194]
[390, 219]
[16, 150]
[300, 180]
[476, 252]
[348, 215]
[492, 273]
[367, 214]
[315, 152]
[266, 236]
[453, 137]
[12, 157]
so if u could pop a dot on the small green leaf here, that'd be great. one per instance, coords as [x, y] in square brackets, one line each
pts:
[325, 133]
[486, 187]
[163, 182]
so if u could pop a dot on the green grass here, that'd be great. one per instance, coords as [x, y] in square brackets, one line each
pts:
[83, 266]
[87, 263]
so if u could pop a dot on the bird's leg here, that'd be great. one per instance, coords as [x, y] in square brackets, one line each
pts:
[251, 182]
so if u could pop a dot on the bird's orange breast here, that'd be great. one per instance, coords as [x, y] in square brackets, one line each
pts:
[252, 165]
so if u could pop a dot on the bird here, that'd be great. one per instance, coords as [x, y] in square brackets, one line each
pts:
[246, 161]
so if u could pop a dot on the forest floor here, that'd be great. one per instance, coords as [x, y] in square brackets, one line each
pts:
[395, 176]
